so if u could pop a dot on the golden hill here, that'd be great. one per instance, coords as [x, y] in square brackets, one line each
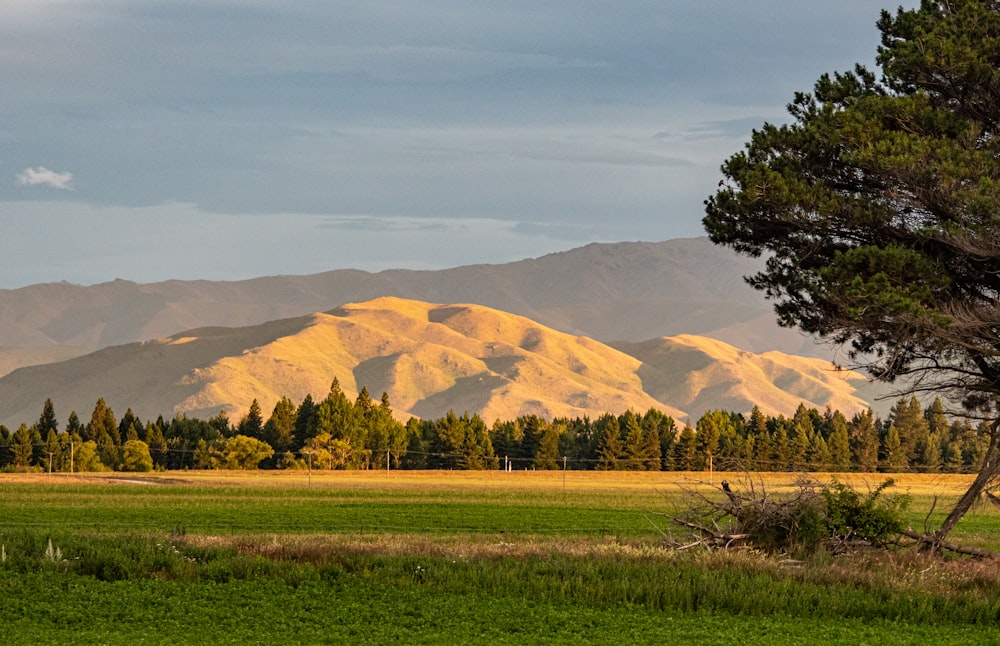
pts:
[699, 374]
[428, 358]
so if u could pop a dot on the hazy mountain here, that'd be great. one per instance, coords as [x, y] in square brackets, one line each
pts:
[428, 358]
[611, 292]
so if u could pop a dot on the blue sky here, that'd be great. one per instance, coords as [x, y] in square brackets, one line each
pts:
[148, 140]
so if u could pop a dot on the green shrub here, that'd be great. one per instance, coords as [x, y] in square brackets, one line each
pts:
[872, 518]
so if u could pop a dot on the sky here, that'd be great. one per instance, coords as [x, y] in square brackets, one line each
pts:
[227, 139]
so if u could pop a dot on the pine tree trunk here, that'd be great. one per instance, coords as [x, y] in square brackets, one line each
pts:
[987, 474]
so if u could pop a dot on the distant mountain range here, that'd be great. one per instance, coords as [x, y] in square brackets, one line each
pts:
[615, 326]
[611, 292]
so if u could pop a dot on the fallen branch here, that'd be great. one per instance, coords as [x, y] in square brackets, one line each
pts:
[936, 544]
[704, 535]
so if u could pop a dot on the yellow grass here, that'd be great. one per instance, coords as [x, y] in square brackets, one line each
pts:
[918, 485]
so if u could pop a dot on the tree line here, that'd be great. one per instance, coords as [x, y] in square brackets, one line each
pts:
[338, 433]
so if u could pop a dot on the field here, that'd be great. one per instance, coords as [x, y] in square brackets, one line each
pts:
[456, 557]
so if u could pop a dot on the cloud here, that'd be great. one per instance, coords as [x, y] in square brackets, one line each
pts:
[42, 175]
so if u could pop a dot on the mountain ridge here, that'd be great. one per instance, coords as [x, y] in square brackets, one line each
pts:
[627, 291]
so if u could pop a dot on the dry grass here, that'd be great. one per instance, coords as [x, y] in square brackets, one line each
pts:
[319, 547]
[907, 571]
[918, 485]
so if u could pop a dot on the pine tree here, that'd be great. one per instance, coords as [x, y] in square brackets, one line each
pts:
[839, 442]
[930, 456]
[609, 444]
[710, 429]
[48, 422]
[305, 424]
[781, 454]
[894, 458]
[937, 422]
[633, 456]
[908, 418]
[22, 447]
[818, 455]
[547, 451]
[252, 424]
[864, 442]
[279, 431]
[685, 450]
[666, 432]
[801, 429]
[221, 425]
[102, 420]
[652, 447]
[157, 444]
[875, 209]
[129, 427]
[74, 427]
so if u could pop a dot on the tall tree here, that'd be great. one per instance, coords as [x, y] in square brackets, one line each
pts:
[22, 446]
[864, 442]
[666, 432]
[685, 450]
[386, 435]
[129, 427]
[609, 443]
[252, 424]
[839, 441]
[279, 431]
[220, 422]
[102, 420]
[908, 418]
[893, 457]
[633, 455]
[305, 425]
[878, 210]
[74, 427]
[712, 426]
[47, 421]
[800, 431]
[157, 443]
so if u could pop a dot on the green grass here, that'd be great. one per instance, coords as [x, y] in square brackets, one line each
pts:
[252, 510]
[364, 562]
[47, 610]
[225, 595]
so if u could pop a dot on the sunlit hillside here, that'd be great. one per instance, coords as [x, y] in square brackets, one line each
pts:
[428, 359]
[698, 374]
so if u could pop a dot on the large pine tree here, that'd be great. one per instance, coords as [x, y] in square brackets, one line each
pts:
[878, 211]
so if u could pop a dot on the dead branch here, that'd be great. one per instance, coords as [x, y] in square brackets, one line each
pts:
[936, 544]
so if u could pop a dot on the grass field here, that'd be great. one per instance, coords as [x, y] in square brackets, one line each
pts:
[456, 557]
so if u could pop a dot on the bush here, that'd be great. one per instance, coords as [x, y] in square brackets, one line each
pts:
[811, 517]
[873, 518]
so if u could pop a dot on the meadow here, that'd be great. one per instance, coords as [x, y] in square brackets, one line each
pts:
[454, 557]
